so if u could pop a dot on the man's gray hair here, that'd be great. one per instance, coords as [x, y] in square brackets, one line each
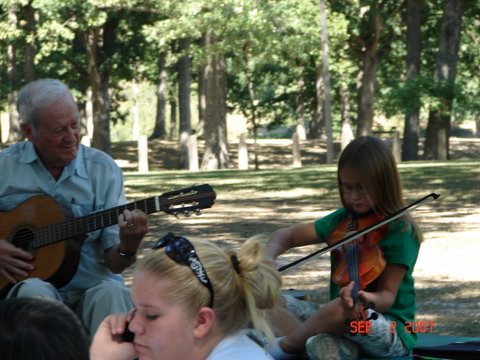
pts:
[37, 95]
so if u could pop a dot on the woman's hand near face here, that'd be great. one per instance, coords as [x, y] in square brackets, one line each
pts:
[107, 343]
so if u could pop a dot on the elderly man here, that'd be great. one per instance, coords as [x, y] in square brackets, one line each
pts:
[82, 179]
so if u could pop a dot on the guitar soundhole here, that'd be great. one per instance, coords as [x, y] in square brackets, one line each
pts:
[23, 239]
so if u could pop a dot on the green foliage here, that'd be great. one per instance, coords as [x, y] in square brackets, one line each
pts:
[399, 97]
[124, 97]
[269, 45]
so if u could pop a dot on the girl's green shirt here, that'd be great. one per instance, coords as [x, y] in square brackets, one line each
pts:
[399, 246]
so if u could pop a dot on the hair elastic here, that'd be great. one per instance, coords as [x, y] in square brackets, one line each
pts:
[235, 263]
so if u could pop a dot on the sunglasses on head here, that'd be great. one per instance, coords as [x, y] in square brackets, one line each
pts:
[181, 250]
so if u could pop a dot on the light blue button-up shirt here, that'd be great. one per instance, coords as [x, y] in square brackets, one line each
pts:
[90, 182]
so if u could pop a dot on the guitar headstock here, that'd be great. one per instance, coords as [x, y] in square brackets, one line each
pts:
[188, 200]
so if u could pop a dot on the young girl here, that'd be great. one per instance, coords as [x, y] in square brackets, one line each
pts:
[369, 184]
[192, 301]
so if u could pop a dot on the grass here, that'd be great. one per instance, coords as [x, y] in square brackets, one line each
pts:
[251, 202]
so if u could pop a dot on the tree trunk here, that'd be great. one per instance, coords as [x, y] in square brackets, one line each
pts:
[439, 119]
[436, 137]
[300, 109]
[85, 112]
[183, 68]
[102, 139]
[347, 132]
[317, 123]
[99, 52]
[100, 101]
[296, 151]
[366, 94]
[173, 120]
[173, 131]
[326, 82]
[413, 42]
[253, 117]
[159, 131]
[375, 42]
[184, 80]
[15, 133]
[242, 152]
[202, 101]
[135, 112]
[30, 48]
[216, 150]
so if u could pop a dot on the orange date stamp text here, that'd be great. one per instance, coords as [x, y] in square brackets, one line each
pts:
[417, 326]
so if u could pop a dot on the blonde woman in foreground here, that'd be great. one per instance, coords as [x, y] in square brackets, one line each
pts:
[192, 302]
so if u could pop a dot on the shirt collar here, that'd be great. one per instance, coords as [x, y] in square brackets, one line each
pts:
[28, 155]
[77, 165]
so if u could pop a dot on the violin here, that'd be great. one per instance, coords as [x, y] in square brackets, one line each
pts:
[360, 260]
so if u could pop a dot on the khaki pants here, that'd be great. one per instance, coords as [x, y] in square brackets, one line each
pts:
[91, 305]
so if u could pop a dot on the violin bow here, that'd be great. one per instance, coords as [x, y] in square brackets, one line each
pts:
[346, 240]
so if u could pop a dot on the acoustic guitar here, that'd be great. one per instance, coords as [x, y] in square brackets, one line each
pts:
[40, 225]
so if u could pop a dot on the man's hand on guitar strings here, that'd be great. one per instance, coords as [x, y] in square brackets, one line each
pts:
[14, 261]
[133, 227]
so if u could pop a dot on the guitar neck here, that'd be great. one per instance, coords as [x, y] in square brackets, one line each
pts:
[95, 221]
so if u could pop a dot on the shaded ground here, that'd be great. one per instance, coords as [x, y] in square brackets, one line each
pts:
[448, 269]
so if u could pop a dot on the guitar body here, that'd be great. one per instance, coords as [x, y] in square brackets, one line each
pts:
[56, 262]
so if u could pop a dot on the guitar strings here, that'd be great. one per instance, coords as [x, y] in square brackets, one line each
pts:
[73, 227]
[70, 228]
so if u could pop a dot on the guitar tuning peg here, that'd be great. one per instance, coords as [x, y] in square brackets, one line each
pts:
[175, 214]
[187, 213]
[198, 212]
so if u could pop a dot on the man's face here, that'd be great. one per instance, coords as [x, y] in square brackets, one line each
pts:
[58, 134]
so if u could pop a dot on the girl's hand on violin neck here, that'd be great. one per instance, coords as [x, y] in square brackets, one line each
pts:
[368, 298]
[345, 295]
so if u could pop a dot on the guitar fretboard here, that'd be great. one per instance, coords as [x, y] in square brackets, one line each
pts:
[98, 220]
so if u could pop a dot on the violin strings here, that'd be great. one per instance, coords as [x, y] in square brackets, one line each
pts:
[352, 259]
[353, 271]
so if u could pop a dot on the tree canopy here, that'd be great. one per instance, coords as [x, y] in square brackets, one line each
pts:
[266, 60]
